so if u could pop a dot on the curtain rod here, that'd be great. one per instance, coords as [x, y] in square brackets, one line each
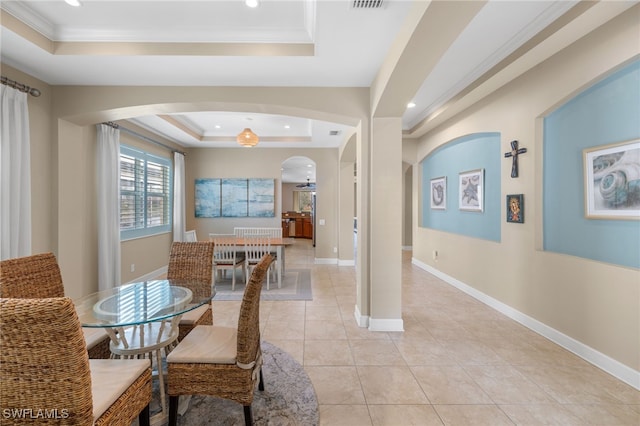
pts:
[19, 86]
[143, 137]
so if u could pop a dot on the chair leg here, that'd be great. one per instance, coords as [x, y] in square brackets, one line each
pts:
[261, 384]
[143, 417]
[248, 416]
[173, 410]
[233, 278]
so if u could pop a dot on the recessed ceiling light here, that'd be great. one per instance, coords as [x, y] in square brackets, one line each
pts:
[411, 105]
[286, 126]
[309, 165]
[74, 3]
[252, 3]
[218, 126]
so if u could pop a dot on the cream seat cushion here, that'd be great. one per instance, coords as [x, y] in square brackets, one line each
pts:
[207, 344]
[93, 335]
[194, 315]
[110, 378]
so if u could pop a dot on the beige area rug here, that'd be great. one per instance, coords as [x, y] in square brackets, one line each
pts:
[288, 398]
[296, 285]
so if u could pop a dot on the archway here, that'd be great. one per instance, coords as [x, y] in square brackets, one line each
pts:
[298, 194]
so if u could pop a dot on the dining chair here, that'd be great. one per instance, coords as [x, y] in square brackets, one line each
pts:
[242, 231]
[45, 368]
[256, 246]
[190, 236]
[224, 362]
[193, 261]
[38, 276]
[226, 257]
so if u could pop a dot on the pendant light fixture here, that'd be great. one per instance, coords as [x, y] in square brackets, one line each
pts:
[247, 138]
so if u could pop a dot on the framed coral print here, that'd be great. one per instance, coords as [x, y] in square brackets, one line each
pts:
[471, 190]
[515, 208]
[439, 193]
[612, 181]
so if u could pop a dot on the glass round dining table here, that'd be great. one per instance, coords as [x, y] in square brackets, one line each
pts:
[142, 319]
[142, 302]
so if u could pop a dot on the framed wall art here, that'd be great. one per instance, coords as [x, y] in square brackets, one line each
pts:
[207, 195]
[515, 208]
[439, 193]
[471, 190]
[612, 181]
[235, 197]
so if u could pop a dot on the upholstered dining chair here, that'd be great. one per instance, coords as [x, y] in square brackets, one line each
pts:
[38, 276]
[226, 257]
[192, 261]
[45, 368]
[224, 362]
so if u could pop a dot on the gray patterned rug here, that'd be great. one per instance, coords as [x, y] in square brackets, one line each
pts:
[296, 285]
[288, 398]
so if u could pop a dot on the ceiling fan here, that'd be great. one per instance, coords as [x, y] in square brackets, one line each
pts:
[308, 185]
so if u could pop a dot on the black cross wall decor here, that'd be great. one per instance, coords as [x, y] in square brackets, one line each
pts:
[514, 155]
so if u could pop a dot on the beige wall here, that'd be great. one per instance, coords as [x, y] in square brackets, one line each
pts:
[594, 303]
[265, 163]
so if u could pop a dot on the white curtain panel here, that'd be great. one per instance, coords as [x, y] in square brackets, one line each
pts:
[108, 169]
[179, 210]
[15, 174]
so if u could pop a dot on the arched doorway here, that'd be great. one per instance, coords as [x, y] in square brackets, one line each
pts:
[298, 190]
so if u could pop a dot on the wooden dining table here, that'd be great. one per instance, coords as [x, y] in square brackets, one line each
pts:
[279, 244]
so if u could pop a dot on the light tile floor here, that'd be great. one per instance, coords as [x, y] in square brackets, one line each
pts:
[458, 362]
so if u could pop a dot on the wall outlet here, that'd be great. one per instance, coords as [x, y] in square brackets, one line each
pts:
[335, 249]
[133, 267]
[321, 222]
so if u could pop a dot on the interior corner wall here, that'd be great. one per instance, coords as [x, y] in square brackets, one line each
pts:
[589, 306]
[606, 113]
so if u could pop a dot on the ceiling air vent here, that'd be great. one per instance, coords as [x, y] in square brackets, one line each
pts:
[334, 132]
[367, 4]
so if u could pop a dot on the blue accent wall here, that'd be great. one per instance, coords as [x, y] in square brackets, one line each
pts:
[607, 112]
[476, 151]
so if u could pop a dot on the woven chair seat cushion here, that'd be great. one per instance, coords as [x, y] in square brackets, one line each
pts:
[110, 378]
[93, 336]
[207, 344]
[191, 317]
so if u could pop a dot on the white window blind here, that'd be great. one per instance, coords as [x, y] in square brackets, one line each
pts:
[145, 193]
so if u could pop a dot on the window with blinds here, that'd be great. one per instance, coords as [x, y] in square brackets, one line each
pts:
[145, 193]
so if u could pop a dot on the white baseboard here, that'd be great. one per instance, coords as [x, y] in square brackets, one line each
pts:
[151, 275]
[386, 324]
[361, 320]
[346, 262]
[326, 261]
[600, 360]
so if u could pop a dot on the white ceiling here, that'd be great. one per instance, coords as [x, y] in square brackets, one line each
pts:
[316, 43]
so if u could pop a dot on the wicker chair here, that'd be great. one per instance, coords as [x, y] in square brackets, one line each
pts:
[38, 276]
[45, 368]
[192, 261]
[225, 362]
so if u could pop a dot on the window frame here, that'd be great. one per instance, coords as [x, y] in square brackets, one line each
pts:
[146, 230]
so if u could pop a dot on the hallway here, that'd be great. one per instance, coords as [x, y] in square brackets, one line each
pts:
[458, 362]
